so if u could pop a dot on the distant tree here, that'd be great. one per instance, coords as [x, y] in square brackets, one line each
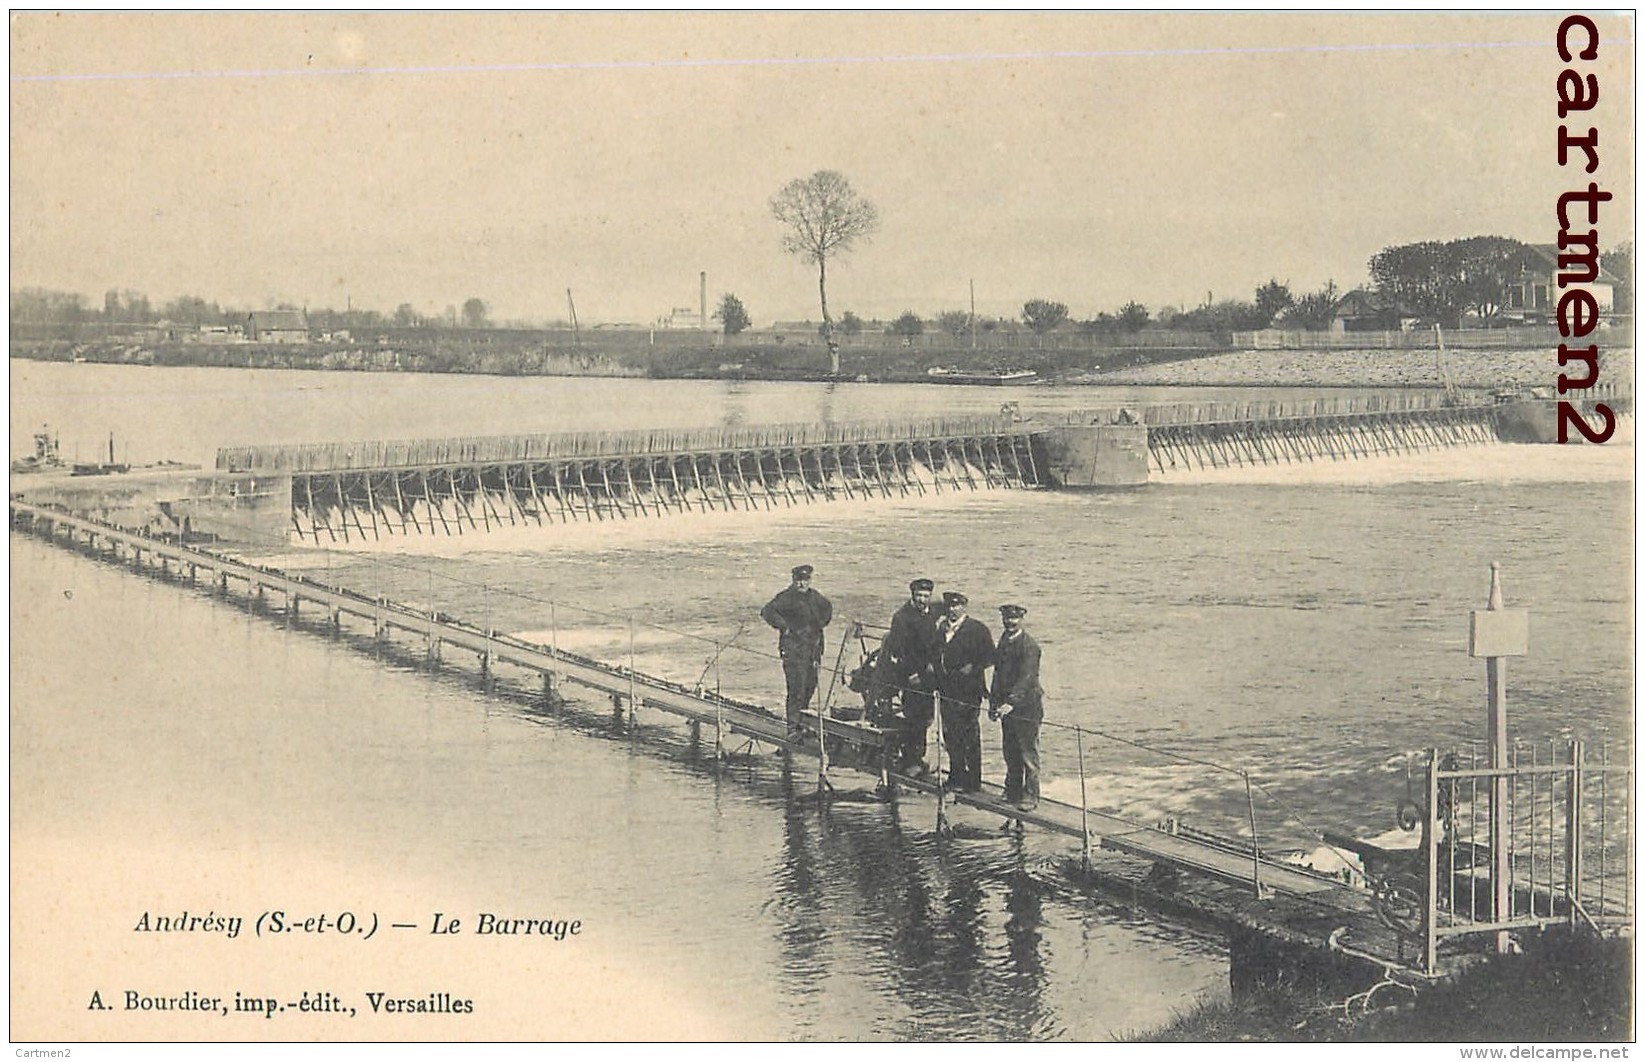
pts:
[850, 323]
[405, 315]
[732, 316]
[823, 217]
[1132, 316]
[908, 325]
[359, 321]
[44, 306]
[191, 309]
[1424, 277]
[1439, 281]
[955, 322]
[1619, 262]
[1229, 315]
[1314, 310]
[1485, 267]
[127, 306]
[474, 314]
[1272, 298]
[1101, 324]
[1042, 316]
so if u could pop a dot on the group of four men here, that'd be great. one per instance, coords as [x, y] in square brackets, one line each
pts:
[931, 660]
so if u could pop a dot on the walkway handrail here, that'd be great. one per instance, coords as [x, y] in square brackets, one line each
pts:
[414, 453]
[242, 569]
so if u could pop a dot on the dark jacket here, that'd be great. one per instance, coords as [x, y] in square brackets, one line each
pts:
[1017, 678]
[801, 616]
[962, 659]
[909, 652]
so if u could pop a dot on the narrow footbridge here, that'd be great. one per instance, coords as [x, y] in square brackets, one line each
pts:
[1277, 899]
[342, 492]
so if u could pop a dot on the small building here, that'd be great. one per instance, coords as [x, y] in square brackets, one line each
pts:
[1371, 311]
[681, 317]
[277, 326]
[1533, 287]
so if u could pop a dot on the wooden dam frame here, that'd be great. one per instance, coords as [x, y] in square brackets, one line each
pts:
[1276, 914]
[1227, 439]
[366, 491]
[363, 491]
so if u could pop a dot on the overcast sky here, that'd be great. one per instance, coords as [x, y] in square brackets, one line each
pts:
[1090, 159]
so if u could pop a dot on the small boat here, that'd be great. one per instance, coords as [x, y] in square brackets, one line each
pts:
[45, 457]
[991, 378]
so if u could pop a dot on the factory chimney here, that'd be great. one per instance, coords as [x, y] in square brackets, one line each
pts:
[702, 298]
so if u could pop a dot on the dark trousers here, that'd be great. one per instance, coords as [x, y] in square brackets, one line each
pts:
[1022, 758]
[801, 673]
[963, 740]
[917, 710]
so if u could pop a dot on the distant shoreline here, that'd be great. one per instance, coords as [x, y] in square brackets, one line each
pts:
[1322, 368]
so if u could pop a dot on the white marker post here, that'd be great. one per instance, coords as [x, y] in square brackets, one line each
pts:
[1495, 633]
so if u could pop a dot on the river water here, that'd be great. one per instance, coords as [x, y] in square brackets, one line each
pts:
[1307, 624]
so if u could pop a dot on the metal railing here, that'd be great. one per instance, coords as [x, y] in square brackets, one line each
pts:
[469, 450]
[1569, 840]
[1335, 405]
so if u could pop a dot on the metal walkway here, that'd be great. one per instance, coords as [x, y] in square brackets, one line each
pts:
[1216, 858]
[635, 689]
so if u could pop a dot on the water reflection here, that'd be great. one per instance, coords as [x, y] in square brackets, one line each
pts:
[1024, 939]
[826, 401]
[734, 401]
[948, 937]
[800, 901]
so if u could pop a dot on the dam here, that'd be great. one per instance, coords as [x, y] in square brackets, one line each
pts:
[369, 491]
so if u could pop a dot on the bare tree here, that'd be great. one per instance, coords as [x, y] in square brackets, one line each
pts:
[824, 216]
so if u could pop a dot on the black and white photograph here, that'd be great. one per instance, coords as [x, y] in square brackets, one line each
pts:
[784, 527]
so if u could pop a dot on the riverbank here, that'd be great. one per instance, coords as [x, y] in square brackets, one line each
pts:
[1464, 368]
[1565, 987]
[1158, 366]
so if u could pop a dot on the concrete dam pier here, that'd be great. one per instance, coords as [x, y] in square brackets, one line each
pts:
[367, 491]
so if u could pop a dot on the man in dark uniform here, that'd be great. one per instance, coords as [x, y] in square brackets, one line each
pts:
[1018, 702]
[967, 650]
[800, 614]
[908, 663]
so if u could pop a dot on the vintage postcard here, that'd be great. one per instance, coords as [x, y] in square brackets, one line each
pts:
[914, 527]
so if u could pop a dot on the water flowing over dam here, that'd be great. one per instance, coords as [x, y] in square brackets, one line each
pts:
[457, 486]
[364, 491]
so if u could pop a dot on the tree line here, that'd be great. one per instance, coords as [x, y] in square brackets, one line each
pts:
[823, 217]
[1432, 280]
[122, 306]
